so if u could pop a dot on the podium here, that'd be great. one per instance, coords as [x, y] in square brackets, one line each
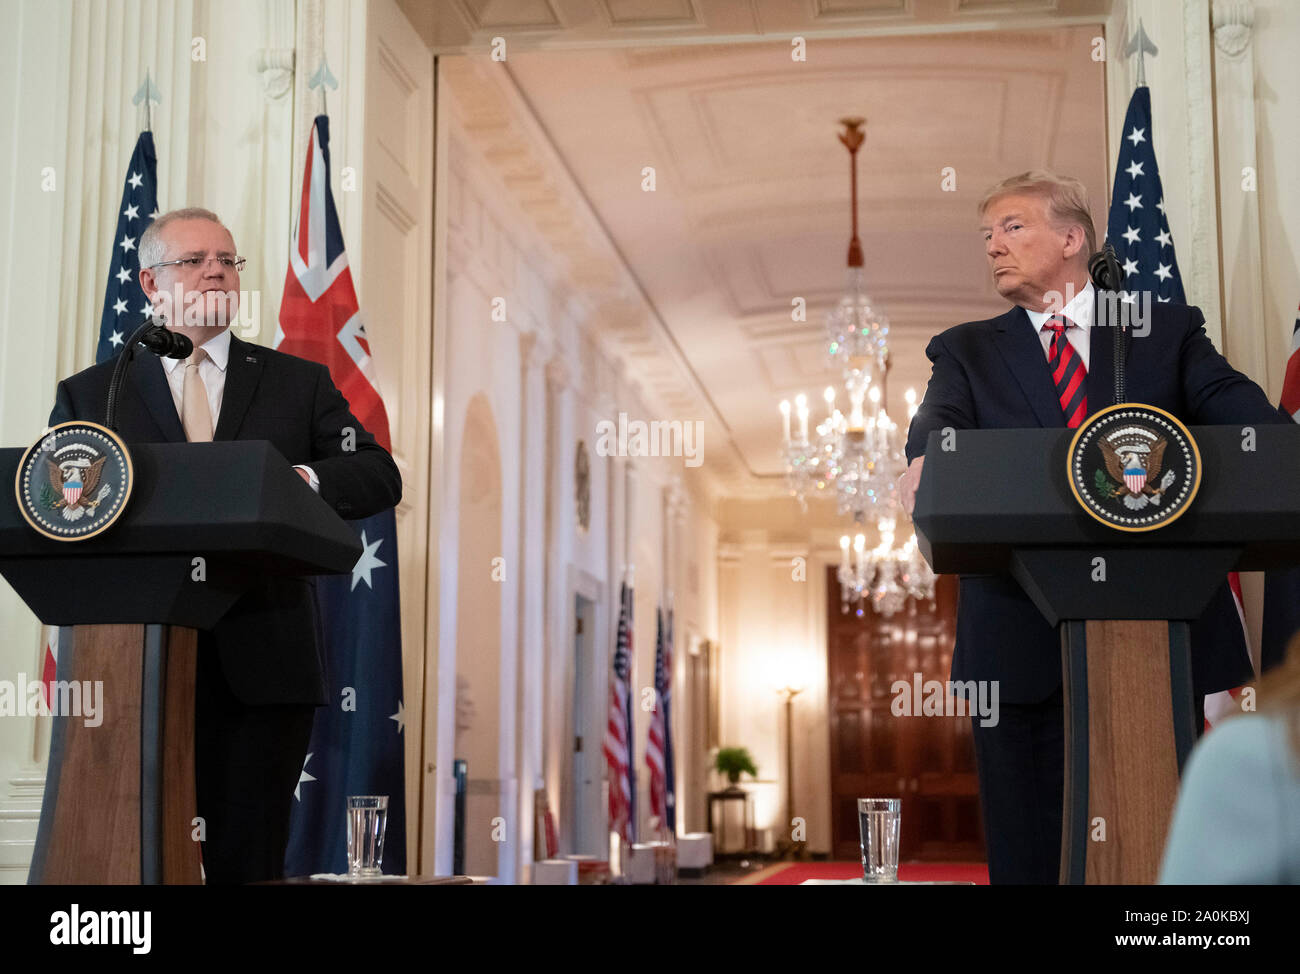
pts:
[206, 522]
[998, 502]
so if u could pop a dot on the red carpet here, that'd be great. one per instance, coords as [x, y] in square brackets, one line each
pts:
[794, 873]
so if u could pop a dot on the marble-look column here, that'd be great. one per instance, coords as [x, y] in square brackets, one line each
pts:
[1234, 88]
[559, 545]
[534, 352]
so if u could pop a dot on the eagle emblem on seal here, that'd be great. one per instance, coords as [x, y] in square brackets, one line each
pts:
[75, 487]
[1133, 457]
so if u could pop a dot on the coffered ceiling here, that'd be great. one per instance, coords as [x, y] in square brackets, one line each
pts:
[749, 207]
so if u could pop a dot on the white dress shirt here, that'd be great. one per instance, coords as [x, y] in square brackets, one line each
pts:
[213, 373]
[1080, 311]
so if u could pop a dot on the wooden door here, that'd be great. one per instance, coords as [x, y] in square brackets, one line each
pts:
[929, 762]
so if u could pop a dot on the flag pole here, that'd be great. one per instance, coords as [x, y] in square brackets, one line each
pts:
[1140, 44]
[147, 92]
[322, 79]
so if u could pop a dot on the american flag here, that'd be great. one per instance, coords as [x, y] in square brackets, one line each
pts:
[1138, 229]
[357, 743]
[618, 731]
[659, 745]
[125, 307]
[1137, 226]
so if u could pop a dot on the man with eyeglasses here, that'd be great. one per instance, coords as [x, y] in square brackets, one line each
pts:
[260, 671]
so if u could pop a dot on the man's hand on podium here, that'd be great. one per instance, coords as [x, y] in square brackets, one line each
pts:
[908, 483]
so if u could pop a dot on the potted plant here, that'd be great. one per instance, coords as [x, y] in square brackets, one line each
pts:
[731, 761]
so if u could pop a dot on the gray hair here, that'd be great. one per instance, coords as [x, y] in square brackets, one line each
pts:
[151, 244]
[1067, 200]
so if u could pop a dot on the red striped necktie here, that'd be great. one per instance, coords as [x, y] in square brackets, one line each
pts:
[1067, 371]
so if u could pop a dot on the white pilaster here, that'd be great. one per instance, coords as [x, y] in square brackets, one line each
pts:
[1234, 85]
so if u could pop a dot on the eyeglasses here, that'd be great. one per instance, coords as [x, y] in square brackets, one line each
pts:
[235, 264]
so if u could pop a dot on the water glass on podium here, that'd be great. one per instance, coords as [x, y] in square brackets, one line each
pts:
[367, 819]
[878, 825]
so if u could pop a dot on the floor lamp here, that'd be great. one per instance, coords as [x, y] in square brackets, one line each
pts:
[789, 848]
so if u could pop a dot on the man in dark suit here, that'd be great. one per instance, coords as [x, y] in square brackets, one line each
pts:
[260, 672]
[1047, 362]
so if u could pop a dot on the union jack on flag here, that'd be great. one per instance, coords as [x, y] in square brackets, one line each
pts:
[356, 751]
[618, 731]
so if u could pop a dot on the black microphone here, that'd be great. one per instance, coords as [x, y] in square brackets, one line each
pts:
[158, 340]
[168, 344]
[1106, 276]
[1103, 267]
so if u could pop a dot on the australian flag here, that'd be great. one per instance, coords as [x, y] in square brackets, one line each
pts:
[1136, 226]
[358, 738]
[125, 307]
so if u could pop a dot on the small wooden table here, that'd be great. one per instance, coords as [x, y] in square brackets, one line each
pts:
[747, 804]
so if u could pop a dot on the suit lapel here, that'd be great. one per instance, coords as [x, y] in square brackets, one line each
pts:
[1023, 352]
[243, 371]
[150, 384]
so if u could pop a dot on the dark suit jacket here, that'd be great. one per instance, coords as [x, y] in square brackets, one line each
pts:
[993, 375]
[268, 643]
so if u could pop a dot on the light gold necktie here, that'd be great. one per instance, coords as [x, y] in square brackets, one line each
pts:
[196, 414]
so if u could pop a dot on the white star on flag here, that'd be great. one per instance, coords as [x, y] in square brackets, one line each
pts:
[1130, 267]
[303, 778]
[1135, 170]
[1164, 272]
[367, 562]
[115, 339]
[135, 180]
[147, 309]
[1133, 202]
[1127, 298]
[1161, 206]
[1136, 136]
[1165, 239]
[1131, 235]
[131, 212]
[1162, 300]
[128, 243]
[400, 717]
[119, 306]
[123, 275]
[154, 214]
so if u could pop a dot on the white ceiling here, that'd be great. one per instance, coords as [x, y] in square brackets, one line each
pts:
[750, 208]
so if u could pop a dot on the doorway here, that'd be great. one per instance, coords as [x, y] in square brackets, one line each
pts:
[928, 762]
[586, 751]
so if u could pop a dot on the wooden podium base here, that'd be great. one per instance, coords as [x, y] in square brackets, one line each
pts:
[120, 803]
[1128, 731]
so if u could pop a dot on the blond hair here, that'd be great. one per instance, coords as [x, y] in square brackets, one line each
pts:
[1067, 200]
[151, 245]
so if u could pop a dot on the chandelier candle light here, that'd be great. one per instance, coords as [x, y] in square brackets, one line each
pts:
[859, 456]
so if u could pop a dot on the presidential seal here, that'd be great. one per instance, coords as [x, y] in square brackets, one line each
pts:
[75, 481]
[1133, 467]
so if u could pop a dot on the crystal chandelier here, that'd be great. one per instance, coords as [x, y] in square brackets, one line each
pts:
[887, 576]
[855, 454]
[858, 453]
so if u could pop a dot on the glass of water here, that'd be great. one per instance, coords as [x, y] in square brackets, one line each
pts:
[878, 822]
[367, 819]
